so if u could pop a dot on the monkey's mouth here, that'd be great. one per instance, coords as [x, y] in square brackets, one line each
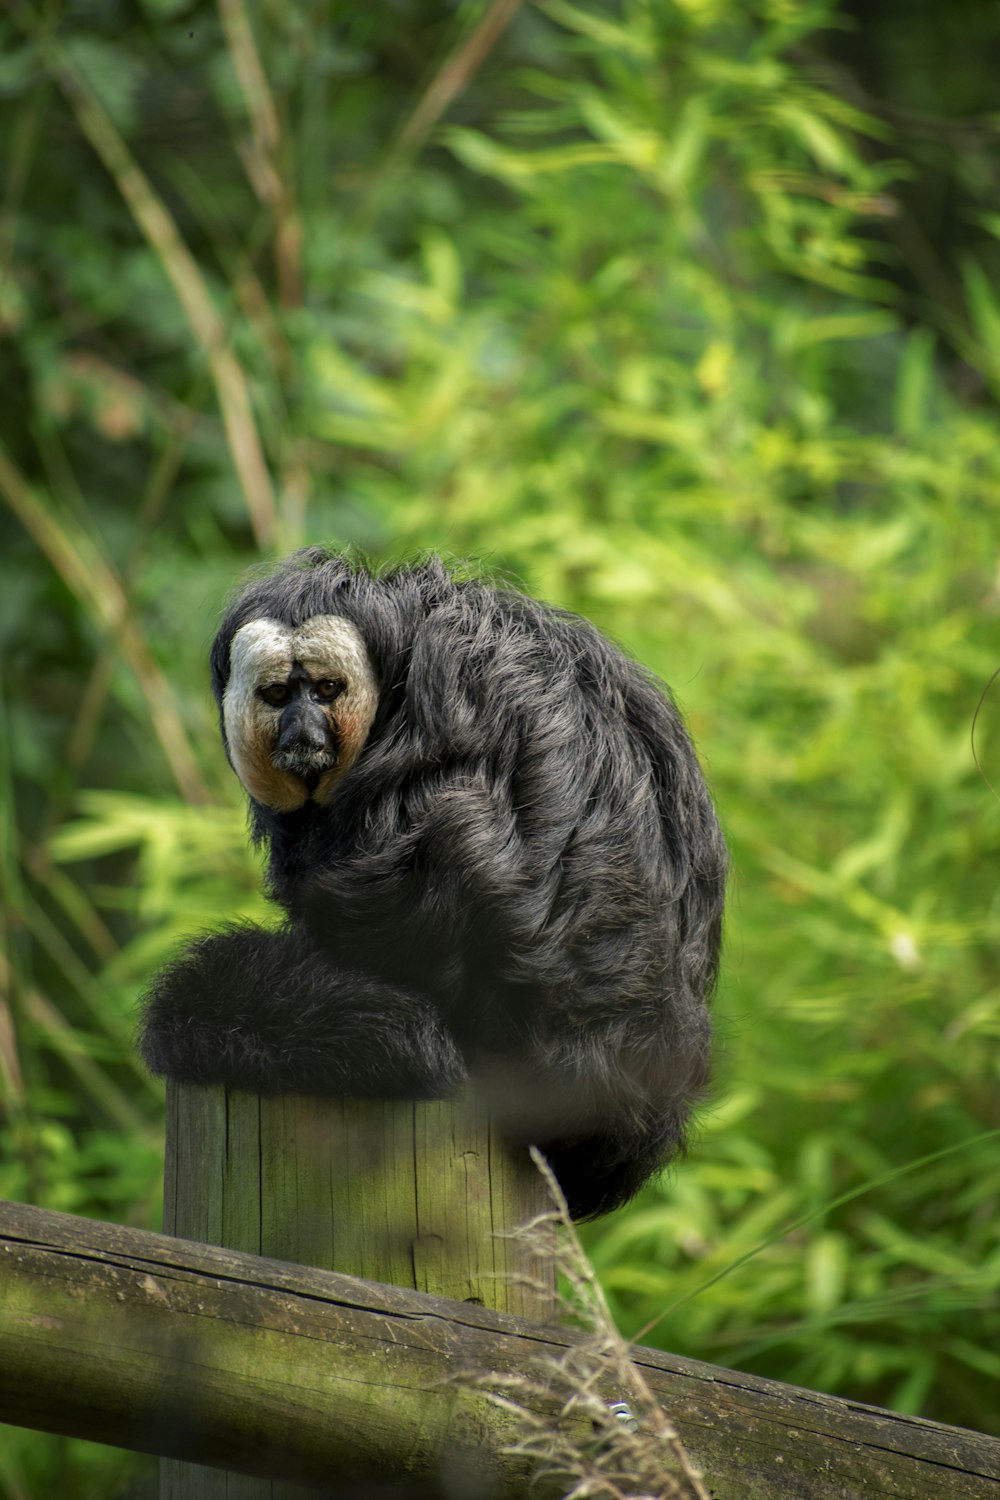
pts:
[310, 764]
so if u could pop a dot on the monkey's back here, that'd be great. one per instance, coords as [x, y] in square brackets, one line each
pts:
[529, 825]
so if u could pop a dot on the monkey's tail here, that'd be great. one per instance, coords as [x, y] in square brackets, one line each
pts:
[605, 1171]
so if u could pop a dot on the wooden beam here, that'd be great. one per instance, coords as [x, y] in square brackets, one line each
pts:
[262, 1367]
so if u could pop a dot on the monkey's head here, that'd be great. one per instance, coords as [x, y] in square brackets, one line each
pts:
[297, 706]
[310, 663]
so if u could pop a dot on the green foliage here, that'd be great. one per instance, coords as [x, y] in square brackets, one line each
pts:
[639, 305]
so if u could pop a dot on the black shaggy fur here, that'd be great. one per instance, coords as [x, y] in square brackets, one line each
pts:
[521, 879]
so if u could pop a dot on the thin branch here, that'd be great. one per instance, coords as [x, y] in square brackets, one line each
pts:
[261, 157]
[78, 560]
[455, 74]
[184, 274]
[972, 733]
[451, 78]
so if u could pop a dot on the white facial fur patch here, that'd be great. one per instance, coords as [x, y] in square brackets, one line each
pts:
[265, 651]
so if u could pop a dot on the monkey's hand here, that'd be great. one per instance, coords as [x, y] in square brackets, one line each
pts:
[268, 1012]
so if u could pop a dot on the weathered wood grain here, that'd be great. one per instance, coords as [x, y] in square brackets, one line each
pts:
[264, 1367]
[416, 1194]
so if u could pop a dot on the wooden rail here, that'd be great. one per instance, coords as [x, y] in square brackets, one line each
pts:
[268, 1368]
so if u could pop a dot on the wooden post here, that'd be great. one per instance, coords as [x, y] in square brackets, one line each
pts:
[418, 1195]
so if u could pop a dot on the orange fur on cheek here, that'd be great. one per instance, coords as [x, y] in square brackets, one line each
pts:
[255, 767]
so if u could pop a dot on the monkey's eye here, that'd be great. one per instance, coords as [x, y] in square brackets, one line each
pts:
[276, 693]
[329, 689]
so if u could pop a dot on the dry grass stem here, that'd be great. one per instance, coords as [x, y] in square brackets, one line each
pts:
[608, 1437]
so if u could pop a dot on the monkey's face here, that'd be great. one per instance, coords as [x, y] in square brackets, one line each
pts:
[297, 707]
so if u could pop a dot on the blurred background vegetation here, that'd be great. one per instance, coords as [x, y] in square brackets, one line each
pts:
[680, 313]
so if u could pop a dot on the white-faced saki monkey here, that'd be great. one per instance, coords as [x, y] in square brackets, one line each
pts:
[496, 856]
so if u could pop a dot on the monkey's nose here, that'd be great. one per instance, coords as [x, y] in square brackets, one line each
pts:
[303, 728]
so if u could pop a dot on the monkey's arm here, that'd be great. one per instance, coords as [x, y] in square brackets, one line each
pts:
[269, 1012]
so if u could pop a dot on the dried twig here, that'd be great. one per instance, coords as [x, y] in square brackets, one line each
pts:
[633, 1451]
